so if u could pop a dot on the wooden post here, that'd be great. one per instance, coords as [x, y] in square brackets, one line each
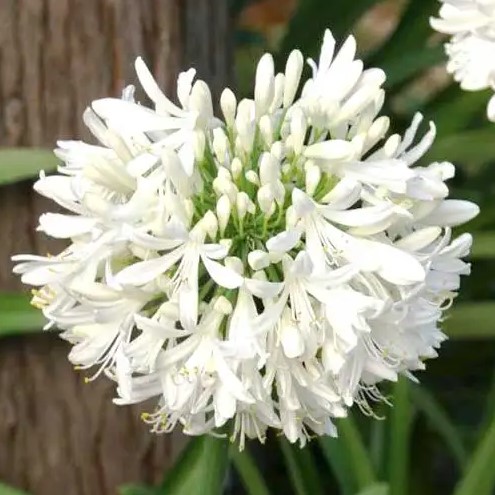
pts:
[59, 436]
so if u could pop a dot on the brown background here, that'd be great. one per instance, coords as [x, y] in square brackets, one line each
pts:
[57, 435]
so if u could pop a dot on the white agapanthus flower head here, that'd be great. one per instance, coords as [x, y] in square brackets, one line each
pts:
[264, 270]
[471, 49]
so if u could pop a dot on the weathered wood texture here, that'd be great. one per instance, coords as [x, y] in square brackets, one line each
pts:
[57, 435]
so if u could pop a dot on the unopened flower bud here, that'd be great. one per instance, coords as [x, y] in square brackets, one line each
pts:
[221, 186]
[210, 223]
[278, 93]
[391, 145]
[277, 150]
[298, 127]
[258, 259]
[199, 143]
[266, 129]
[223, 305]
[244, 205]
[291, 217]
[200, 101]
[223, 212]
[220, 144]
[235, 264]
[293, 71]
[265, 199]
[236, 168]
[228, 104]
[264, 87]
[269, 168]
[252, 176]
[313, 176]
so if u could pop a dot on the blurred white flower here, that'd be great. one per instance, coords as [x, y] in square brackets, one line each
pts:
[264, 271]
[471, 49]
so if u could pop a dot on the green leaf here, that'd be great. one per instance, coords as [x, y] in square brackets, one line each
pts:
[312, 17]
[137, 490]
[357, 455]
[339, 464]
[479, 478]
[8, 490]
[402, 69]
[248, 472]
[441, 423]
[471, 321]
[469, 148]
[301, 468]
[17, 316]
[483, 245]
[18, 164]
[200, 470]
[400, 429]
[453, 110]
[376, 489]
[378, 440]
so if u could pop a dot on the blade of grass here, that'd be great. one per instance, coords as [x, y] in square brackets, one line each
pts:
[18, 164]
[479, 475]
[17, 316]
[200, 470]
[378, 489]
[483, 245]
[358, 456]
[337, 461]
[441, 423]
[471, 321]
[378, 443]
[248, 472]
[400, 428]
[9, 490]
[301, 468]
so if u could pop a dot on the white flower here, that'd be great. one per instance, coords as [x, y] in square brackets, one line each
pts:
[267, 271]
[471, 49]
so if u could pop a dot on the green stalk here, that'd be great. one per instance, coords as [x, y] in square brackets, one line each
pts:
[479, 477]
[248, 472]
[200, 470]
[301, 468]
[400, 428]
[358, 456]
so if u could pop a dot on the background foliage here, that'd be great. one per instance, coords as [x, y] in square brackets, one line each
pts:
[439, 437]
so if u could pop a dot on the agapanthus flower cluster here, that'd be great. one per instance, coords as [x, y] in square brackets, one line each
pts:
[264, 270]
[471, 49]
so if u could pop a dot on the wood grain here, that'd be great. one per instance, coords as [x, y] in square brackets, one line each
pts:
[58, 435]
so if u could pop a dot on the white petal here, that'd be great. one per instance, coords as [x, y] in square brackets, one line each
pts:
[343, 195]
[491, 109]
[452, 212]
[159, 330]
[359, 217]
[65, 226]
[283, 242]
[262, 288]
[230, 380]
[145, 271]
[153, 91]
[334, 149]
[291, 339]
[214, 251]
[419, 239]
[131, 117]
[223, 276]
[395, 265]
[302, 203]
